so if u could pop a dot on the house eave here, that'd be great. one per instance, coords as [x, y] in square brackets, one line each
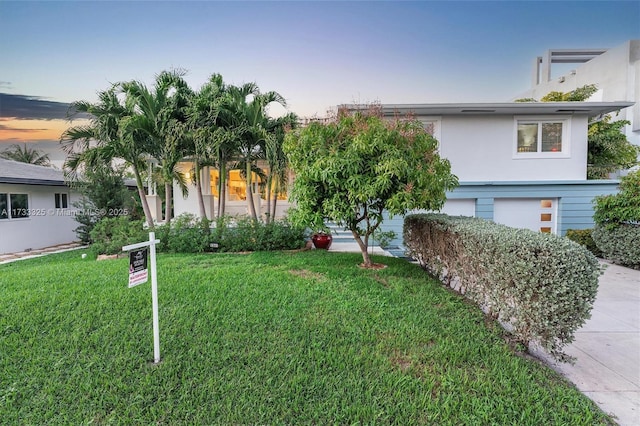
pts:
[590, 109]
[22, 181]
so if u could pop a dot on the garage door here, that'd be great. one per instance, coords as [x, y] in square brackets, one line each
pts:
[535, 214]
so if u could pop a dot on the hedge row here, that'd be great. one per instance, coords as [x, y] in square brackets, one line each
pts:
[542, 287]
[620, 245]
[188, 234]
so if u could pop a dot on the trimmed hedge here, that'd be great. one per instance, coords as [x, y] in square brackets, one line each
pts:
[620, 245]
[541, 286]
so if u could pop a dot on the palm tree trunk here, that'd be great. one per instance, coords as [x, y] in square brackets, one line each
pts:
[168, 189]
[269, 180]
[273, 205]
[249, 193]
[203, 212]
[143, 198]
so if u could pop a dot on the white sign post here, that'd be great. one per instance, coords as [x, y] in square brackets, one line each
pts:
[135, 270]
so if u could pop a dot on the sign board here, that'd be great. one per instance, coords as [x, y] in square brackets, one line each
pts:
[138, 272]
[138, 275]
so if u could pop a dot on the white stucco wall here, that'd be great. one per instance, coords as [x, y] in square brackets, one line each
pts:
[617, 75]
[481, 149]
[45, 227]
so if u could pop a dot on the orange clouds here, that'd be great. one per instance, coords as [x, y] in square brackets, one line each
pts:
[12, 130]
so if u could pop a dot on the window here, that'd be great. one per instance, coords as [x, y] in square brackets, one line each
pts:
[61, 201]
[14, 206]
[541, 138]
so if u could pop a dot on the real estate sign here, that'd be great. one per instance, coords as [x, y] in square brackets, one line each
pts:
[138, 272]
[138, 275]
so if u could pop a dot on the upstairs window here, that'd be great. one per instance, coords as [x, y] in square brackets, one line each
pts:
[541, 138]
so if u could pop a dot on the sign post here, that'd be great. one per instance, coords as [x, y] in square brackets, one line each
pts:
[138, 275]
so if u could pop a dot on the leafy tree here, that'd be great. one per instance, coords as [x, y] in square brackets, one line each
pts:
[621, 208]
[107, 137]
[578, 95]
[608, 147]
[104, 195]
[353, 169]
[26, 155]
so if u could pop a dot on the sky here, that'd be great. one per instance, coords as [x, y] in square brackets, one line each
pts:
[316, 54]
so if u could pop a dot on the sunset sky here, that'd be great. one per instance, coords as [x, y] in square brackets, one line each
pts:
[317, 54]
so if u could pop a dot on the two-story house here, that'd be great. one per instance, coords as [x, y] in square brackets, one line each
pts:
[519, 164]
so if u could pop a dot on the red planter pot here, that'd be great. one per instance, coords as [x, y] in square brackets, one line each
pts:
[322, 241]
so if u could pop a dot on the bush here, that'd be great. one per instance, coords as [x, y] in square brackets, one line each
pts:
[620, 245]
[246, 234]
[584, 238]
[617, 218]
[110, 234]
[542, 286]
[185, 234]
[621, 208]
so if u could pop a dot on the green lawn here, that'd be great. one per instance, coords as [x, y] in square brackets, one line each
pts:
[263, 338]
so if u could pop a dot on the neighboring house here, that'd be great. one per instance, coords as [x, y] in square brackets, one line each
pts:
[615, 71]
[519, 164]
[35, 207]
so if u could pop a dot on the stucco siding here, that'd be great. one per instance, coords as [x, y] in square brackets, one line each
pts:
[491, 157]
[46, 225]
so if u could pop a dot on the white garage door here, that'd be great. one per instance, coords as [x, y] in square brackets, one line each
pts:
[463, 207]
[535, 214]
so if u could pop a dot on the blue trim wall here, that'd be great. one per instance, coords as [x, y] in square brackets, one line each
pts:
[575, 207]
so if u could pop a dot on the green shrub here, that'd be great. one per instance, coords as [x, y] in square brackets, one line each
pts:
[384, 238]
[110, 234]
[584, 238]
[617, 218]
[185, 234]
[541, 286]
[620, 245]
[621, 208]
[246, 234]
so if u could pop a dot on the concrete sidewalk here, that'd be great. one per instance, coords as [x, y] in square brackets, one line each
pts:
[12, 257]
[607, 347]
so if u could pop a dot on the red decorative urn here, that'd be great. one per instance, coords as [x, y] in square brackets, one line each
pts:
[322, 241]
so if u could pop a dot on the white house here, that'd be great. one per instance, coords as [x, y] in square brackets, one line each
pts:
[615, 71]
[519, 164]
[35, 207]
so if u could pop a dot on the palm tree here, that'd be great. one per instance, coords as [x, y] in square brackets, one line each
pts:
[249, 121]
[211, 144]
[26, 155]
[277, 160]
[161, 118]
[107, 137]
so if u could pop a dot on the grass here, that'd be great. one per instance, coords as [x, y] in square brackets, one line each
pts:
[262, 338]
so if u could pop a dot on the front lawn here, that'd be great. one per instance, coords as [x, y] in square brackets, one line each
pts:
[262, 338]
